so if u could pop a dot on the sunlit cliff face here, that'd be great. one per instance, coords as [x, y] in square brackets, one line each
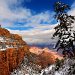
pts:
[46, 53]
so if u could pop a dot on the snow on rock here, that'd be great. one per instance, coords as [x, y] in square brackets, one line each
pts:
[3, 49]
[68, 68]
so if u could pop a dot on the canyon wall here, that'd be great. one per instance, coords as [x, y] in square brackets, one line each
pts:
[12, 51]
[11, 58]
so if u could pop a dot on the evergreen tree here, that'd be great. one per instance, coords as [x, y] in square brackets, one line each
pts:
[64, 30]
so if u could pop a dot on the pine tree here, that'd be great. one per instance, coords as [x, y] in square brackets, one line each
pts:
[64, 30]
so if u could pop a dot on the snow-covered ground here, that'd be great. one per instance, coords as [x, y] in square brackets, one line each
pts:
[27, 69]
[67, 68]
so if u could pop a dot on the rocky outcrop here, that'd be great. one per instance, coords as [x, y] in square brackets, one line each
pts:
[11, 58]
[4, 67]
[12, 51]
[45, 56]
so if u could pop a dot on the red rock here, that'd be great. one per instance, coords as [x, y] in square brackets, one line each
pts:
[11, 58]
[44, 57]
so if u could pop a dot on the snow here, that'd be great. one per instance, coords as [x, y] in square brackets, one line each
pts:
[50, 70]
[3, 49]
[57, 73]
[63, 70]
[4, 46]
[26, 69]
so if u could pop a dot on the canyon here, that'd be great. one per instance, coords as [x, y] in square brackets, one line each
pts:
[45, 56]
[13, 50]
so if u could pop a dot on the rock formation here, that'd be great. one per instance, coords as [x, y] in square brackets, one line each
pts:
[45, 56]
[12, 51]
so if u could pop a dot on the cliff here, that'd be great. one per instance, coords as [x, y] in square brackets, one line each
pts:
[45, 56]
[12, 51]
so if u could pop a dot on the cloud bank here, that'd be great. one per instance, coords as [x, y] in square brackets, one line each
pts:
[35, 28]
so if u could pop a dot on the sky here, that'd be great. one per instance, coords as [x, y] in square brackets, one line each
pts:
[32, 19]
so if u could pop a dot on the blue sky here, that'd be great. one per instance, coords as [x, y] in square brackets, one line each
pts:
[32, 19]
[42, 5]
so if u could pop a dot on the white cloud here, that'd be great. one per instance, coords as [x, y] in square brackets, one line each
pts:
[36, 36]
[7, 14]
[72, 11]
[21, 14]
[42, 17]
[41, 33]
